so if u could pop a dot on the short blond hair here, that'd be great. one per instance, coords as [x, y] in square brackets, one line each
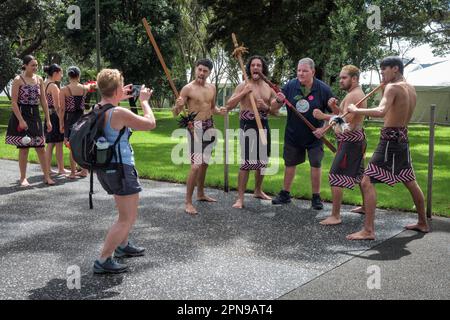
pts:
[351, 70]
[108, 80]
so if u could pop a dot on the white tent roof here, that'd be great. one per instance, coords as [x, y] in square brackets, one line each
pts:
[372, 77]
[436, 75]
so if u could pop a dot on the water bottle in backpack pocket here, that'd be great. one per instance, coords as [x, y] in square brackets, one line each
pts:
[103, 151]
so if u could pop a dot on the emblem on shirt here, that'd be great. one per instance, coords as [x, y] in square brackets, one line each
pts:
[302, 105]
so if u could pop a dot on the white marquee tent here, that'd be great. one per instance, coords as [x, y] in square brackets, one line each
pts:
[432, 86]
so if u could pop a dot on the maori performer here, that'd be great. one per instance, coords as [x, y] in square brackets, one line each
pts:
[391, 161]
[348, 165]
[254, 154]
[55, 138]
[25, 126]
[200, 97]
[72, 99]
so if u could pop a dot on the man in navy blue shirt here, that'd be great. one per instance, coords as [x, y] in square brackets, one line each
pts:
[306, 93]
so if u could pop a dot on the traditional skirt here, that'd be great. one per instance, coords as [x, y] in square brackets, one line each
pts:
[391, 162]
[14, 135]
[201, 141]
[348, 165]
[69, 120]
[254, 155]
[55, 135]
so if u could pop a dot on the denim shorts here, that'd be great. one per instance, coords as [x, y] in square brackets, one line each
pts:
[118, 182]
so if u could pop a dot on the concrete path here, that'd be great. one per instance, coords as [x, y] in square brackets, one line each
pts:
[261, 252]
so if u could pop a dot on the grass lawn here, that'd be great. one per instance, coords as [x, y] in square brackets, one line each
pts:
[153, 158]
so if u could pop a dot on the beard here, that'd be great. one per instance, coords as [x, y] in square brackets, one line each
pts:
[346, 87]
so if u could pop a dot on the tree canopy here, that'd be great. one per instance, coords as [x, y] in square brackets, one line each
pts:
[332, 32]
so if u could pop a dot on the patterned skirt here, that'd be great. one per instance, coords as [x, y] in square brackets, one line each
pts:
[201, 140]
[348, 164]
[254, 155]
[15, 136]
[391, 162]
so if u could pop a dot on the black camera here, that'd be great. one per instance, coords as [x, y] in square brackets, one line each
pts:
[135, 90]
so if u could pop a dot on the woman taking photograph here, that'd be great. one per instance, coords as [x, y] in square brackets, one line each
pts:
[121, 180]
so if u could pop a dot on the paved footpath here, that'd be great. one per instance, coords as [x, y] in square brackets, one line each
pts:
[261, 252]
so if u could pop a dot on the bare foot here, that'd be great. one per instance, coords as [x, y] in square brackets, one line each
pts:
[361, 235]
[24, 183]
[190, 209]
[330, 221]
[82, 174]
[206, 198]
[72, 176]
[261, 195]
[418, 227]
[239, 204]
[49, 182]
[359, 210]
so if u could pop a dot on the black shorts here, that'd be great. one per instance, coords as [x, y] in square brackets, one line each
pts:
[294, 155]
[116, 182]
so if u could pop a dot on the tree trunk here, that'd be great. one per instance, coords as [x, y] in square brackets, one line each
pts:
[6, 91]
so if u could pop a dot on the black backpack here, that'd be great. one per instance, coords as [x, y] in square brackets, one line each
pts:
[83, 137]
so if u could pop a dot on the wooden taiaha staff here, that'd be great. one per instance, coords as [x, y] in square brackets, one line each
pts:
[286, 101]
[371, 93]
[381, 85]
[160, 57]
[238, 56]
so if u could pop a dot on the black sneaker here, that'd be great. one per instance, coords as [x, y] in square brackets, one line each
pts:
[283, 197]
[129, 251]
[109, 266]
[316, 202]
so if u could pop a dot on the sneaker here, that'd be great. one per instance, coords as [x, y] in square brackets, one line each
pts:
[283, 197]
[109, 266]
[316, 202]
[129, 251]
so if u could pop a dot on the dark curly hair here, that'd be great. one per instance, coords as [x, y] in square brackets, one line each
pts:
[265, 69]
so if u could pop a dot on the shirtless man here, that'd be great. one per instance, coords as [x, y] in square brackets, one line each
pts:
[200, 98]
[254, 155]
[391, 161]
[348, 165]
